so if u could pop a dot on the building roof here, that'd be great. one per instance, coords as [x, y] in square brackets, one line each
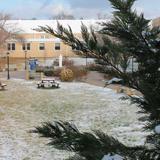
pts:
[27, 26]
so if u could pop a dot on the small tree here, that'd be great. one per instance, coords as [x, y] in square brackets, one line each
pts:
[7, 31]
[63, 16]
[133, 37]
[4, 34]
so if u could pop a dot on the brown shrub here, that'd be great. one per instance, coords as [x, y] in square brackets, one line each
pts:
[66, 75]
[79, 72]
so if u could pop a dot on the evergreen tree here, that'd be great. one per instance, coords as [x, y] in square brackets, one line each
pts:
[127, 35]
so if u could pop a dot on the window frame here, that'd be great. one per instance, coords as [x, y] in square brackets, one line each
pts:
[41, 48]
[57, 48]
[11, 46]
[26, 46]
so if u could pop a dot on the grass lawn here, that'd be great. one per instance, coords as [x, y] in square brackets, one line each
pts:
[23, 106]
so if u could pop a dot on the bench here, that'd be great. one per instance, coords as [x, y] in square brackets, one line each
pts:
[2, 86]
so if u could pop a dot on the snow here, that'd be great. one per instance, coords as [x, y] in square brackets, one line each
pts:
[23, 106]
[157, 129]
[114, 157]
[114, 80]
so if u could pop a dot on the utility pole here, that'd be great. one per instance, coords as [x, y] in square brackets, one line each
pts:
[25, 59]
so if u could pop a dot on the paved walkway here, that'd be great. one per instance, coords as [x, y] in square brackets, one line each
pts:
[13, 74]
[95, 78]
[19, 75]
[98, 79]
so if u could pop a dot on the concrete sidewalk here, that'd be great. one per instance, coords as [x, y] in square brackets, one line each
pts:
[13, 74]
[95, 78]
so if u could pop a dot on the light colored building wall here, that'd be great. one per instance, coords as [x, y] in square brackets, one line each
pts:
[35, 40]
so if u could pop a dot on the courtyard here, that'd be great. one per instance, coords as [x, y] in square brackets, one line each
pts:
[23, 106]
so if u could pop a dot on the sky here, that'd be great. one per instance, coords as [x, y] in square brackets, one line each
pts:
[88, 9]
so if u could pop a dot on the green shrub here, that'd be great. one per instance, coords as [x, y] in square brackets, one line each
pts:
[39, 68]
[49, 71]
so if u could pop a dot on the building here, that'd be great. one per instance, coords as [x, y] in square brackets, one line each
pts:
[40, 45]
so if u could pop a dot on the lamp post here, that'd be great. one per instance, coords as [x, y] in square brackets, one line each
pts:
[8, 75]
[25, 59]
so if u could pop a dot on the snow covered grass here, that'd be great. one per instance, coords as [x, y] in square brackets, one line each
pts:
[23, 106]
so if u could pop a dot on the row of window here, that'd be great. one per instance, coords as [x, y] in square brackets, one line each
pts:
[27, 46]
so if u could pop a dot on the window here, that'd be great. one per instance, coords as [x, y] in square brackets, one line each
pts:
[26, 46]
[57, 46]
[11, 46]
[41, 46]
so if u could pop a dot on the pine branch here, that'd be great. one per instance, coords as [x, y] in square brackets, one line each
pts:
[90, 146]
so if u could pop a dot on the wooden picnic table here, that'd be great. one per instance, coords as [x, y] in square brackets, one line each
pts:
[48, 83]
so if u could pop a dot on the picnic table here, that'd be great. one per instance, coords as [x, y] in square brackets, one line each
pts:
[48, 83]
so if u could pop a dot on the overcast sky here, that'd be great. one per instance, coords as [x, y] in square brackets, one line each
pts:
[88, 9]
